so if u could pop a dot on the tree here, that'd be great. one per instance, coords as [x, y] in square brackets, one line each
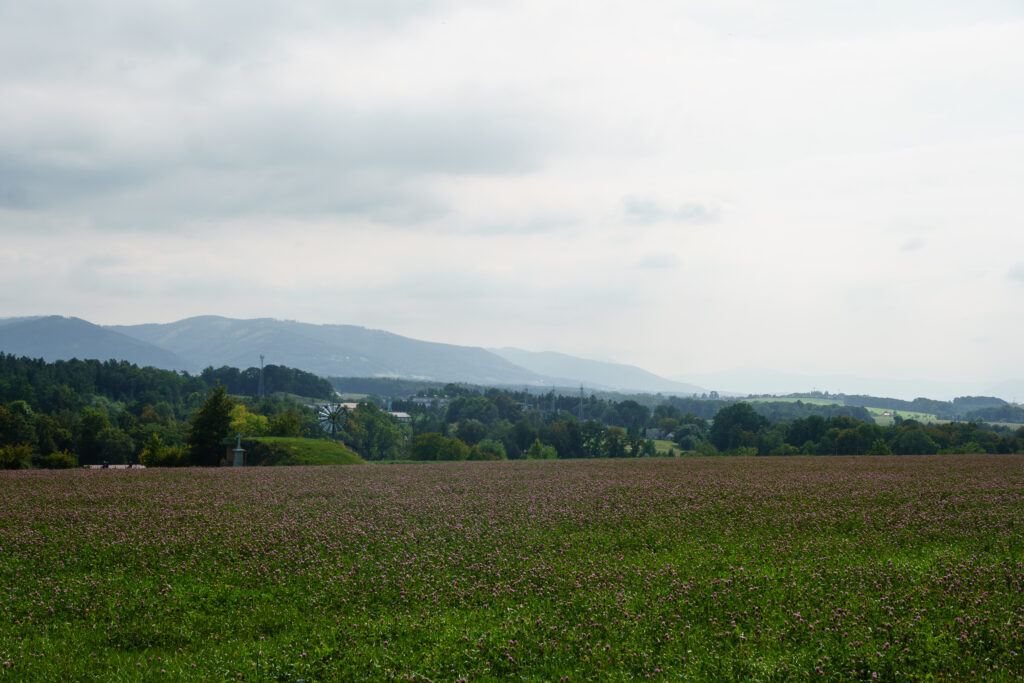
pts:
[488, 449]
[16, 424]
[734, 426]
[247, 424]
[15, 457]
[285, 424]
[914, 441]
[633, 416]
[614, 443]
[538, 451]
[471, 431]
[689, 435]
[211, 423]
[433, 446]
[89, 435]
[372, 433]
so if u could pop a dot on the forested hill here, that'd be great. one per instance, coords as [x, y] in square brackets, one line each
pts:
[63, 384]
[326, 349]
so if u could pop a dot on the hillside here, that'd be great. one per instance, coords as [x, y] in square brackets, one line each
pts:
[326, 350]
[57, 338]
[570, 370]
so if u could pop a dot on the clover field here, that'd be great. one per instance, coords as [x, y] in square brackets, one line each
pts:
[829, 568]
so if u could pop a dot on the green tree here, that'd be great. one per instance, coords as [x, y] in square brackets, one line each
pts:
[488, 449]
[17, 424]
[614, 443]
[538, 451]
[879, 447]
[914, 441]
[285, 424]
[372, 433]
[432, 446]
[471, 431]
[689, 435]
[89, 435]
[246, 423]
[15, 457]
[211, 423]
[735, 426]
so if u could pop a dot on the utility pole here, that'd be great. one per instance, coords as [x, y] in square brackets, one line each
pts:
[260, 390]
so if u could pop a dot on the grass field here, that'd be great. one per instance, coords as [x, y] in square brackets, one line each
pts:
[299, 451]
[860, 568]
[663, 446]
[881, 418]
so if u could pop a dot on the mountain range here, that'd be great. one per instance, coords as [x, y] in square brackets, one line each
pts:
[325, 350]
[351, 351]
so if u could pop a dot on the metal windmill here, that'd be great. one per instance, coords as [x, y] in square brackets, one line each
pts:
[332, 418]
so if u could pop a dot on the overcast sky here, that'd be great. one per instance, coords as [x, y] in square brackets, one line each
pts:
[808, 186]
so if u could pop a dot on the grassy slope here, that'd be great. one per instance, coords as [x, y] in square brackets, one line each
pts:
[313, 451]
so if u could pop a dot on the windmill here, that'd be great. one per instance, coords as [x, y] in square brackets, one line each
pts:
[332, 418]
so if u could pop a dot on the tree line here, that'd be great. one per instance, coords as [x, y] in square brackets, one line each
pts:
[80, 412]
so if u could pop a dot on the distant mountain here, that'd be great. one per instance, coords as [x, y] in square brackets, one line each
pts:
[326, 350]
[570, 371]
[760, 381]
[56, 338]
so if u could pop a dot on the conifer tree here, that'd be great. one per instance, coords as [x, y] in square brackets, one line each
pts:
[210, 425]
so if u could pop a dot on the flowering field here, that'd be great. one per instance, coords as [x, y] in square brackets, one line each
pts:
[729, 568]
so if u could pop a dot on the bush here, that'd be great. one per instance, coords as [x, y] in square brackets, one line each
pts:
[155, 454]
[539, 451]
[488, 449]
[706, 449]
[879, 447]
[785, 449]
[432, 446]
[15, 457]
[270, 453]
[59, 460]
[269, 450]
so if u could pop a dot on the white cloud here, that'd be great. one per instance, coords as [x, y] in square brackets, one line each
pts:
[683, 186]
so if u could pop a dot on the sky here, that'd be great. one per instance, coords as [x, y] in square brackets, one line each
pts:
[806, 186]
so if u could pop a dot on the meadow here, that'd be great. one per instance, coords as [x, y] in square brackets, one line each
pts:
[833, 568]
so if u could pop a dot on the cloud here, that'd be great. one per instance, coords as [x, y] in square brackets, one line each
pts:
[79, 37]
[147, 114]
[913, 245]
[1016, 272]
[376, 164]
[658, 261]
[645, 211]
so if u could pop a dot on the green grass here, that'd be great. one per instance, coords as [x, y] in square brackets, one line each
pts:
[663, 446]
[881, 418]
[725, 569]
[298, 451]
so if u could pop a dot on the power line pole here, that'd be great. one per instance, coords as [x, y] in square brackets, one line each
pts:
[261, 377]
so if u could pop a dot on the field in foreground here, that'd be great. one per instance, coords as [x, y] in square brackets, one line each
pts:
[728, 568]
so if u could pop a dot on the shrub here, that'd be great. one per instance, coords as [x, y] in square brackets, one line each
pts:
[59, 460]
[488, 449]
[15, 457]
